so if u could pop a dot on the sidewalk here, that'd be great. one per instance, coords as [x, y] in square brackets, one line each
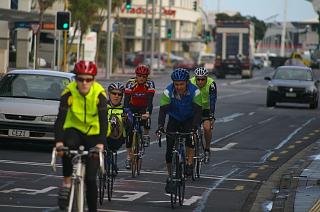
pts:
[308, 190]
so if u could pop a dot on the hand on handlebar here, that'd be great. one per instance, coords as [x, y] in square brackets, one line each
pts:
[59, 145]
[159, 131]
[145, 116]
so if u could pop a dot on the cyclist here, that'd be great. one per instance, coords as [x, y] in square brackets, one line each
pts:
[116, 133]
[208, 93]
[139, 94]
[182, 103]
[81, 121]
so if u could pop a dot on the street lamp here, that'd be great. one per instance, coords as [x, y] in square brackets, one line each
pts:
[316, 7]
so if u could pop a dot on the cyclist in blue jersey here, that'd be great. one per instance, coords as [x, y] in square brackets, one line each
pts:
[208, 93]
[181, 101]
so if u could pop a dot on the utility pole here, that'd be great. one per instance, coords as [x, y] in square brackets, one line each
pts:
[159, 34]
[152, 35]
[107, 65]
[146, 31]
[65, 42]
[284, 29]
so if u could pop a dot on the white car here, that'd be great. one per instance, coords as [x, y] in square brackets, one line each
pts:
[29, 102]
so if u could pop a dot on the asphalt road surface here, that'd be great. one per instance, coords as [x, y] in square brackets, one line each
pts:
[250, 142]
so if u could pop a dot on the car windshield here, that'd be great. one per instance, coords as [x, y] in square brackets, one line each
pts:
[293, 74]
[32, 86]
[207, 59]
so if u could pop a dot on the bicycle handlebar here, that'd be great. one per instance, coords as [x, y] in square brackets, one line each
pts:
[76, 153]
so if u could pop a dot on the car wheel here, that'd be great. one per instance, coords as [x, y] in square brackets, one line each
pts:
[270, 102]
[314, 104]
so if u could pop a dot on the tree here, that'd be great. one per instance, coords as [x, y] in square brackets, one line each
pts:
[43, 6]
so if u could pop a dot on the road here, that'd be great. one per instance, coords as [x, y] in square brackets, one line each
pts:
[250, 142]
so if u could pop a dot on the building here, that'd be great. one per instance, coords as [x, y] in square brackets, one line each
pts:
[179, 16]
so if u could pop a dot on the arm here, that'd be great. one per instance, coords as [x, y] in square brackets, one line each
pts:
[127, 95]
[63, 109]
[151, 92]
[164, 108]
[213, 97]
[197, 109]
[103, 119]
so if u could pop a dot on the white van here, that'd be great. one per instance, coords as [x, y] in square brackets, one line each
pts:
[206, 60]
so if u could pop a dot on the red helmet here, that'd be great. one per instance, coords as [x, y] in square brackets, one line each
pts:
[85, 67]
[142, 69]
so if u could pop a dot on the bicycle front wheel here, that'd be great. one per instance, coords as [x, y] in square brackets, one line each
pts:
[182, 183]
[174, 177]
[102, 187]
[111, 176]
[140, 153]
[134, 156]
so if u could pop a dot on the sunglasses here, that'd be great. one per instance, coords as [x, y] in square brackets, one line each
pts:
[144, 76]
[201, 79]
[87, 80]
[116, 94]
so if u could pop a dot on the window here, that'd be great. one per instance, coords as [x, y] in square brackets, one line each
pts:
[14, 4]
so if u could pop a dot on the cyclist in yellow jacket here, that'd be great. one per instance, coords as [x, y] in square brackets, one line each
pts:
[81, 121]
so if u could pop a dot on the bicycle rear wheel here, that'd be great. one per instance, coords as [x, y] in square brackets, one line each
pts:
[174, 176]
[110, 175]
[140, 153]
[134, 156]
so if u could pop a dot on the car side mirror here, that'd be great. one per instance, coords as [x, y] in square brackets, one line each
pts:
[267, 78]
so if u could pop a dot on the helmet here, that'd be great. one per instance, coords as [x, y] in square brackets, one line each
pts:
[85, 67]
[180, 74]
[201, 72]
[116, 86]
[142, 69]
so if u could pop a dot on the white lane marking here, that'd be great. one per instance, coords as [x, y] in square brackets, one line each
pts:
[265, 121]
[251, 113]
[294, 133]
[226, 147]
[232, 95]
[266, 156]
[205, 196]
[27, 206]
[186, 202]
[29, 191]
[229, 118]
[129, 195]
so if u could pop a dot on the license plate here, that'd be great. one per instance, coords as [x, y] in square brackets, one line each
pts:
[230, 66]
[18, 133]
[291, 94]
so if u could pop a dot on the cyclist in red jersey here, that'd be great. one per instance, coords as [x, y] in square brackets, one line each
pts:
[138, 98]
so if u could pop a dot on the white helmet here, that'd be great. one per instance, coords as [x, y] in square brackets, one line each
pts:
[201, 72]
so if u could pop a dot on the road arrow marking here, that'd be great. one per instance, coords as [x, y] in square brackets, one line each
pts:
[226, 147]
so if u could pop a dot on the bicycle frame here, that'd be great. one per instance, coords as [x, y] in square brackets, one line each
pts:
[78, 174]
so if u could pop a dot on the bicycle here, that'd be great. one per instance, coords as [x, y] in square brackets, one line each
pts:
[137, 148]
[106, 180]
[78, 174]
[177, 173]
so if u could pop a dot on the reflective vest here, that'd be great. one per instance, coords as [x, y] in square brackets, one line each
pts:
[83, 111]
[204, 92]
[115, 112]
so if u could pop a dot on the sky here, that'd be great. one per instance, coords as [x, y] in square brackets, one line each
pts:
[297, 10]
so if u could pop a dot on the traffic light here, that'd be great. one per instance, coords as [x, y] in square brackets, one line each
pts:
[169, 33]
[63, 20]
[195, 5]
[128, 4]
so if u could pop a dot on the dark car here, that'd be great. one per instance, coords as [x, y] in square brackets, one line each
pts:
[294, 84]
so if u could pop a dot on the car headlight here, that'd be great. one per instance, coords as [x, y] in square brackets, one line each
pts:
[272, 87]
[310, 90]
[48, 118]
[2, 117]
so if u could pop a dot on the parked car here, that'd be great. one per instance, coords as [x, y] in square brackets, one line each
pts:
[257, 63]
[29, 102]
[294, 84]
[206, 60]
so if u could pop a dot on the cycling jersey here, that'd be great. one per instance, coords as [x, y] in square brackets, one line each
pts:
[139, 96]
[208, 94]
[179, 107]
[66, 119]
[114, 114]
